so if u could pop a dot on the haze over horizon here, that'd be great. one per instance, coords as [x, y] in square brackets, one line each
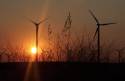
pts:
[15, 28]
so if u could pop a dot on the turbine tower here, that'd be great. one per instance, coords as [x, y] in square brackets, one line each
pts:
[37, 25]
[98, 32]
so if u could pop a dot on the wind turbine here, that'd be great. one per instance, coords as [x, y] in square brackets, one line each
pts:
[37, 24]
[98, 32]
[67, 28]
[120, 51]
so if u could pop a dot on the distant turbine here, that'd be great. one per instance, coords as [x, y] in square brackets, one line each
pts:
[67, 28]
[37, 24]
[120, 51]
[98, 32]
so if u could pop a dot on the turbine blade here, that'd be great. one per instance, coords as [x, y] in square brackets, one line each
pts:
[96, 33]
[30, 20]
[94, 16]
[43, 21]
[107, 24]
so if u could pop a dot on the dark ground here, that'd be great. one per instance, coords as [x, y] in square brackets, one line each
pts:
[62, 72]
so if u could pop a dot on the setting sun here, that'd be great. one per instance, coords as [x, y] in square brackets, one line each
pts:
[33, 50]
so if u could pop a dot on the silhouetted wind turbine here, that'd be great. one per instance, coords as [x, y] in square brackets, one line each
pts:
[67, 27]
[120, 51]
[37, 24]
[98, 32]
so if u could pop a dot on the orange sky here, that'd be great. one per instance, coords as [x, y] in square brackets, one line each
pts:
[15, 28]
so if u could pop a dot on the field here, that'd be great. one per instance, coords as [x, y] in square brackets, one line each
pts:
[60, 72]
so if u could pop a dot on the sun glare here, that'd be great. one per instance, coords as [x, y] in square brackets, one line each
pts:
[33, 50]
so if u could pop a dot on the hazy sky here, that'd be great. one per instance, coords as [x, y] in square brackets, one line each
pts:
[14, 26]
